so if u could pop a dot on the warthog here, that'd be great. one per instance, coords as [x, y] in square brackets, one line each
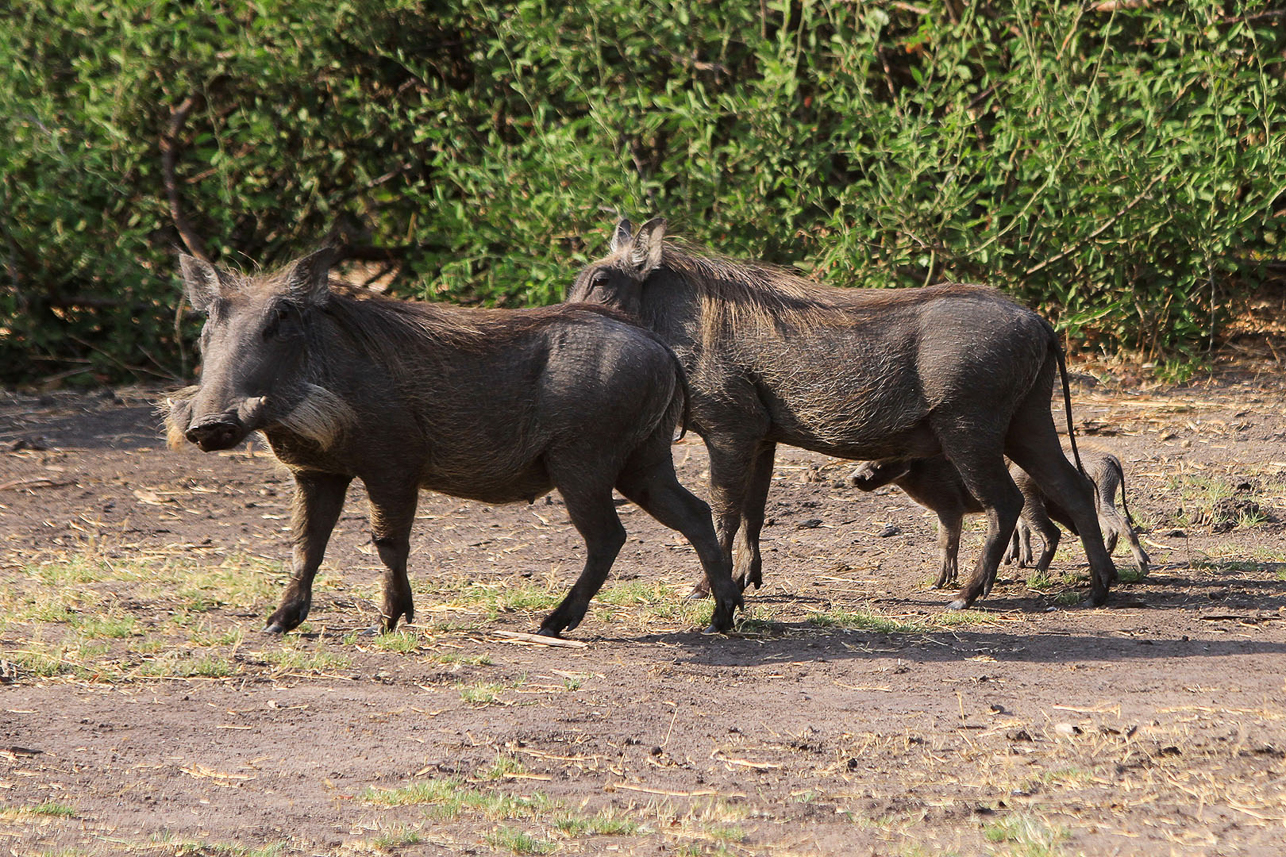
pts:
[936, 485]
[493, 405]
[897, 374]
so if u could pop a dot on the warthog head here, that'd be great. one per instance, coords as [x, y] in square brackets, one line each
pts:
[255, 371]
[617, 281]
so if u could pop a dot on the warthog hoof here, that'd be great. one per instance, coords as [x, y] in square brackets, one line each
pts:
[548, 632]
[958, 604]
[275, 628]
[563, 619]
[1096, 599]
[725, 610]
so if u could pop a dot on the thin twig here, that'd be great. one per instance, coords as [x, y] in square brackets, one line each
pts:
[169, 160]
[557, 642]
[1107, 224]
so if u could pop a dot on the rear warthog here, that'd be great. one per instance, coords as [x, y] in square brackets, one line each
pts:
[492, 405]
[897, 374]
[936, 485]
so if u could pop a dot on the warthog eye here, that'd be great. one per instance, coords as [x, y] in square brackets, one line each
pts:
[280, 316]
[599, 279]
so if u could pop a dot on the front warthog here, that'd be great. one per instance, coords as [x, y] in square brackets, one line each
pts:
[898, 374]
[492, 405]
[936, 485]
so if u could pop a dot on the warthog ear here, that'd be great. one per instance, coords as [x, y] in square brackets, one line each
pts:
[309, 279]
[202, 281]
[621, 234]
[649, 241]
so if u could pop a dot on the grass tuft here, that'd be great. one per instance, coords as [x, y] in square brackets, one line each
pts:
[1024, 836]
[863, 620]
[517, 841]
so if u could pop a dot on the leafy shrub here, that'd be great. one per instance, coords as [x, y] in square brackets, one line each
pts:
[1120, 168]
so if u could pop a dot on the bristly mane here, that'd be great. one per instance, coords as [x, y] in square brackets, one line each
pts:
[744, 296]
[388, 330]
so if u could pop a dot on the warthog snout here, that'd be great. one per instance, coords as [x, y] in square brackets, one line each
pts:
[215, 433]
[224, 431]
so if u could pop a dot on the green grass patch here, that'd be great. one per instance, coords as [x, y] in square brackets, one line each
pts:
[505, 766]
[1068, 777]
[403, 642]
[603, 824]
[452, 658]
[48, 809]
[426, 792]
[1129, 574]
[755, 620]
[450, 797]
[1024, 836]
[77, 570]
[486, 693]
[399, 837]
[196, 848]
[636, 593]
[113, 626]
[174, 664]
[955, 618]
[1235, 565]
[72, 657]
[1067, 598]
[208, 635]
[863, 620]
[317, 660]
[517, 841]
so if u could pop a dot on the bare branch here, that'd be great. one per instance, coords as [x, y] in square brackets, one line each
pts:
[169, 159]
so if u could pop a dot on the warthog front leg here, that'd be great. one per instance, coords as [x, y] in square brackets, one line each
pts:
[732, 460]
[1036, 519]
[1112, 522]
[1020, 551]
[392, 514]
[949, 526]
[748, 568]
[319, 498]
[1121, 525]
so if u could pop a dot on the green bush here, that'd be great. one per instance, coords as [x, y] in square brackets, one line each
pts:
[1122, 169]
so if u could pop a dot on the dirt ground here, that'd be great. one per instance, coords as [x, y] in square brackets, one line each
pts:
[142, 710]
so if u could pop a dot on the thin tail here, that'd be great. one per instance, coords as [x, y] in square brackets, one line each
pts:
[1067, 404]
[1120, 472]
[687, 395]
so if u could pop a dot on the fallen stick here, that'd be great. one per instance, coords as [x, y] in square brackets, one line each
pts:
[39, 482]
[542, 641]
[669, 793]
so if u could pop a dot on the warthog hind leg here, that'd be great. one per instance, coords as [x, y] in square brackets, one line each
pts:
[988, 480]
[654, 487]
[594, 515]
[392, 515]
[1033, 445]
